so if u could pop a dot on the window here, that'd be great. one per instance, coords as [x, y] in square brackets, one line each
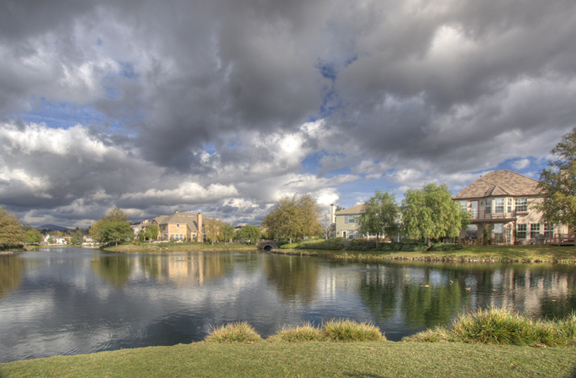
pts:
[177, 225]
[521, 204]
[499, 205]
[521, 232]
[510, 201]
[534, 230]
[488, 208]
[474, 206]
[351, 218]
[549, 231]
[464, 205]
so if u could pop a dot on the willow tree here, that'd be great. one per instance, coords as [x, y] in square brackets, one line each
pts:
[431, 213]
[294, 217]
[380, 216]
[11, 232]
[558, 184]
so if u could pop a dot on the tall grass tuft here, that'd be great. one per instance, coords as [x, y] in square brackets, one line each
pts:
[349, 330]
[502, 326]
[305, 332]
[233, 333]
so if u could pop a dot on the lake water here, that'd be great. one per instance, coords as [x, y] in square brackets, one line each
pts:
[73, 300]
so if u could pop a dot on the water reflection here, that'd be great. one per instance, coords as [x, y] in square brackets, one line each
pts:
[70, 300]
[115, 270]
[292, 276]
[11, 271]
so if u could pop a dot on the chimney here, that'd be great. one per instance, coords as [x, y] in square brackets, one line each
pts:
[200, 233]
[332, 214]
[175, 211]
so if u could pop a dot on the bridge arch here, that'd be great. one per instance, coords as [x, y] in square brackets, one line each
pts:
[267, 245]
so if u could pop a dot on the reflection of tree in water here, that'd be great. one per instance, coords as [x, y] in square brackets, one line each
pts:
[293, 276]
[11, 272]
[192, 268]
[115, 270]
[379, 290]
[431, 306]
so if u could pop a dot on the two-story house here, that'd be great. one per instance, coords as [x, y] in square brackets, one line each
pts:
[180, 226]
[346, 221]
[500, 202]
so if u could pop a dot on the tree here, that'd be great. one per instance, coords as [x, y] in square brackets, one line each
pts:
[430, 213]
[558, 184]
[32, 235]
[213, 227]
[112, 227]
[294, 217]
[227, 232]
[11, 232]
[152, 232]
[251, 233]
[380, 216]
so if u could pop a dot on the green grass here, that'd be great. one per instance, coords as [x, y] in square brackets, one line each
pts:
[233, 333]
[504, 327]
[305, 332]
[350, 331]
[312, 359]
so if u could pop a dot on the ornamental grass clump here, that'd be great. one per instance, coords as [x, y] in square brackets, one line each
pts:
[504, 327]
[349, 330]
[305, 332]
[233, 333]
[498, 326]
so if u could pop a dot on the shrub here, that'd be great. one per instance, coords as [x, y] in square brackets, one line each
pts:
[358, 245]
[413, 247]
[234, 332]
[445, 247]
[502, 326]
[289, 246]
[334, 244]
[305, 332]
[349, 330]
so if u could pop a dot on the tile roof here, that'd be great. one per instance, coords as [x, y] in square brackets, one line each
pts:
[500, 183]
[352, 210]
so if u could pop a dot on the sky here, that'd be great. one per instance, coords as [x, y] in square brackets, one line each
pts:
[221, 107]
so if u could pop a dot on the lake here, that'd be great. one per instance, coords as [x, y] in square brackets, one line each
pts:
[65, 301]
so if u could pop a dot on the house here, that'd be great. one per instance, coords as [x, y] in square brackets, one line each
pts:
[500, 202]
[180, 226]
[140, 227]
[346, 221]
[55, 239]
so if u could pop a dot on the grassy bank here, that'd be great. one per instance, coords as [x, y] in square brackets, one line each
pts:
[494, 253]
[312, 359]
[179, 247]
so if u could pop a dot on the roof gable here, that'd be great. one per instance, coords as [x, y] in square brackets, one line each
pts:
[358, 209]
[500, 183]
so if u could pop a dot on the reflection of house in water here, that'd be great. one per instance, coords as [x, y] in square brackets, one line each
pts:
[184, 269]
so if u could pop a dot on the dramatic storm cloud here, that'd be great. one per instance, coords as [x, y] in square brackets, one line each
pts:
[221, 107]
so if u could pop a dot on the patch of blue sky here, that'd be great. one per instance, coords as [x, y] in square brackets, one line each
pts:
[209, 147]
[355, 192]
[112, 93]
[311, 163]
[65, 115]
[127, 70]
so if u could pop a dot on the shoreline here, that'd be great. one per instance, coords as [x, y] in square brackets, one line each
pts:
[421, 257]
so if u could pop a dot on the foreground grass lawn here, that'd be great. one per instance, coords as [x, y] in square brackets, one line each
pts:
[312, 359]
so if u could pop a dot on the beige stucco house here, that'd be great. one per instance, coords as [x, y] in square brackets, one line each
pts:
[180, 226]
[501, 203]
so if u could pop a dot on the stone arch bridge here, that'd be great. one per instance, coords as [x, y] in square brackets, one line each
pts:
[267, 245]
